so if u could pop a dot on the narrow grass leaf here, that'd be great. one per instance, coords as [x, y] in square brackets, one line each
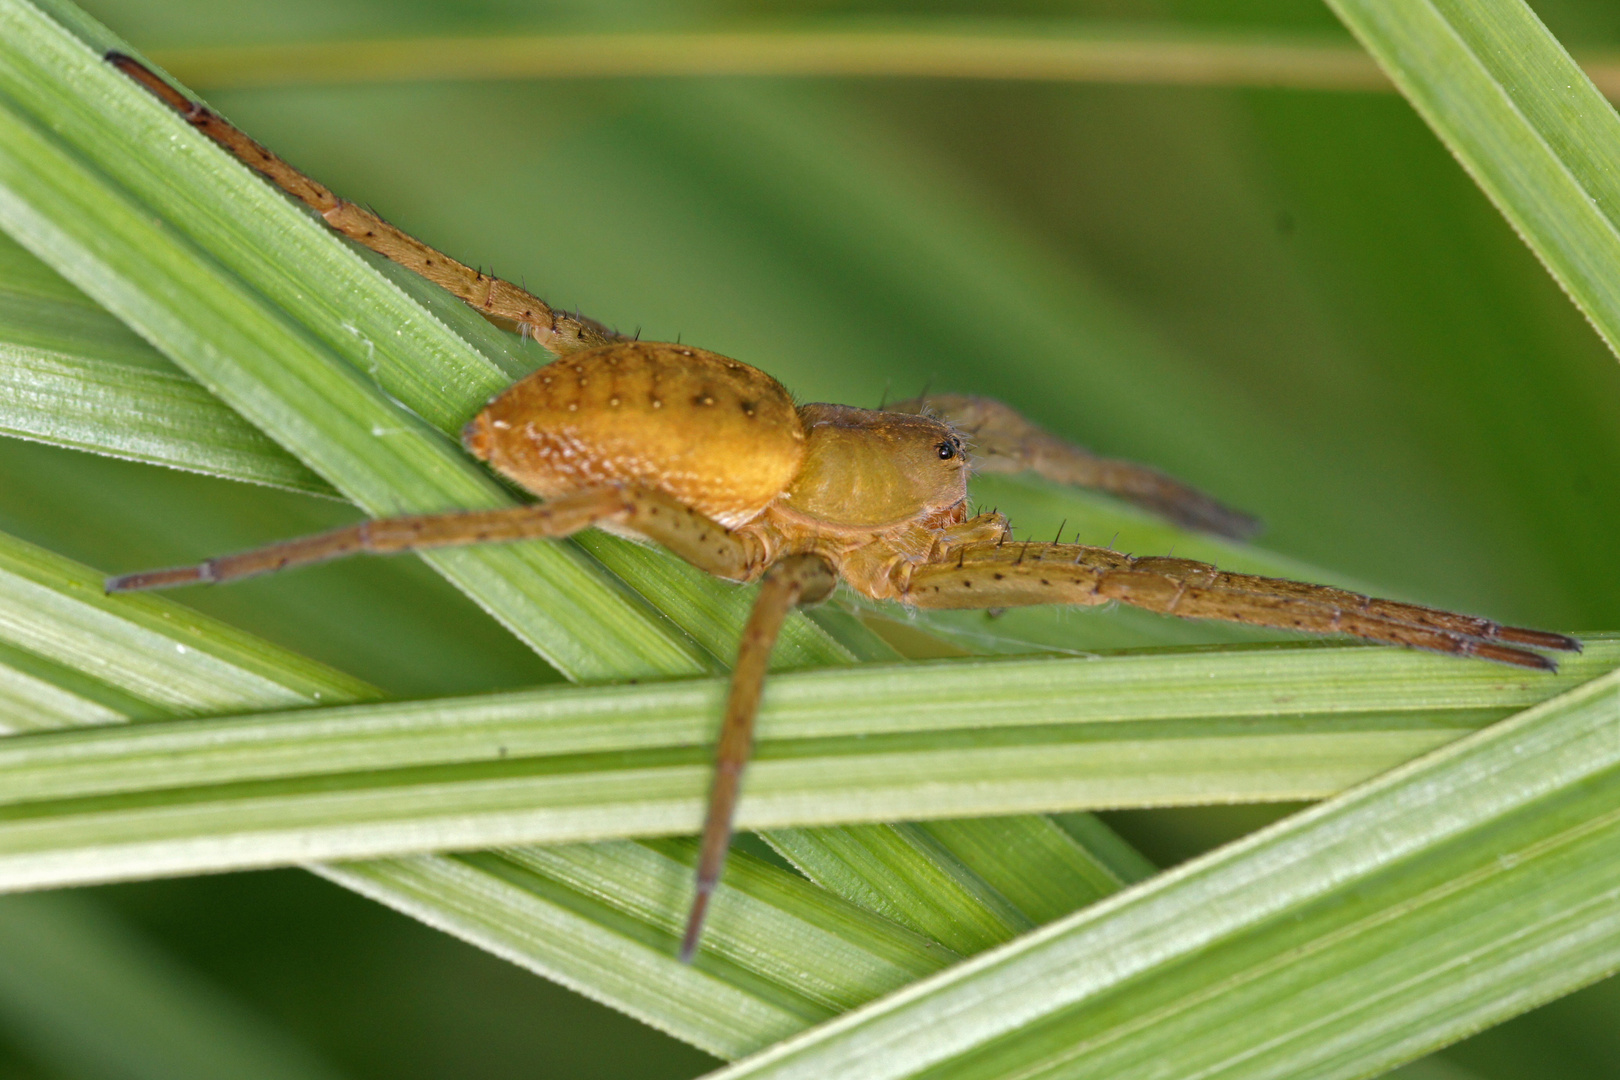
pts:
[30, 703]
[1060, 51]
[149, 647]
[934, 895]
[1076, 876]
[139, 415]
[1523, 119]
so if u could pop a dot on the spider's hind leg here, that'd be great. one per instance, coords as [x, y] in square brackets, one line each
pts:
[1005, 441]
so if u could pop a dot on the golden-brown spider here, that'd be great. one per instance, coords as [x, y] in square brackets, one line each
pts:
[711, 458]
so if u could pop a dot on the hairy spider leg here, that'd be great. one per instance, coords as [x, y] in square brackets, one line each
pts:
[990, 576]
[1005, 441]
[793, 581]
[703, 543]
[492, 297]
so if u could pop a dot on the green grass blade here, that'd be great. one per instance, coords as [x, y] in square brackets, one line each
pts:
[148, 648]
[39, 310]
[140, 415]
[900, 872]
[1078, 870]
[1060, 51]
[1442, 897]
[72, 375]
[31, 703]
[1525, 122]
[970, 882]
[944, 739]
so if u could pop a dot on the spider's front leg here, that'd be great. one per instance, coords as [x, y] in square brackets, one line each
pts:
[1003, 440]
[992, 575]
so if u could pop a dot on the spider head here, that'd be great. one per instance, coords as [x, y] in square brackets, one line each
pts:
[863, 467]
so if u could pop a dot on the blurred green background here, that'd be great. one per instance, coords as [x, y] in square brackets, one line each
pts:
[1295, 299]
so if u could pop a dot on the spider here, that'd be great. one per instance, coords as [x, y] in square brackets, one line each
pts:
[712, 459]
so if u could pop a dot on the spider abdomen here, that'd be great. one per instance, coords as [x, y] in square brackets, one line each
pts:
[714, 433]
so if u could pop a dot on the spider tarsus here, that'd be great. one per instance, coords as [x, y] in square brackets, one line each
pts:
[1538, 639]
[158, 579]
[694, 921]
[1517, 657]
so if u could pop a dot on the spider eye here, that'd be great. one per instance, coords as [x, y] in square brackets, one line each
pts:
[947, 450]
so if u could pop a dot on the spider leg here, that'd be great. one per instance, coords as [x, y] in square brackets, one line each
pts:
[695, 538]
[795, 580]
[985, 576]
[1004, 441]
[490, 296]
